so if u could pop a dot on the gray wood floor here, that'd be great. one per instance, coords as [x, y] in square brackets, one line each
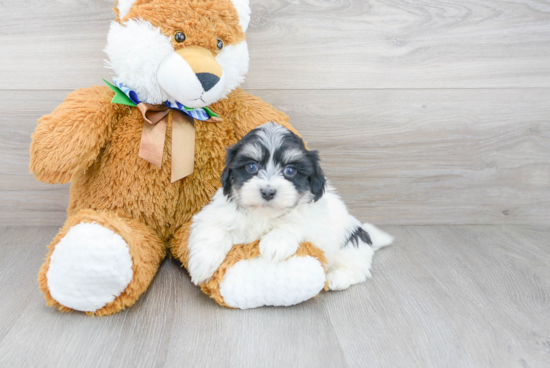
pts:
[441, 296]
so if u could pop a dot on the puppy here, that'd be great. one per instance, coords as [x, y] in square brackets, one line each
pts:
[274, 190]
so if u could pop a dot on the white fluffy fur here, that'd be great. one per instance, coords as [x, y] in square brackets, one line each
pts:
[249, 196]
[348, 265]
[326, 223]
[89, 268]
[242, 6]
[178, 80]
[144, 60]
[265, 202]
[136, 50]
[258, 282]
[234, 61]
[243, 9]
[124, 7]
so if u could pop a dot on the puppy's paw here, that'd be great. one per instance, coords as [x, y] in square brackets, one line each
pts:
[278, 245]
[202, 265]
[340, 280]
[208, 246]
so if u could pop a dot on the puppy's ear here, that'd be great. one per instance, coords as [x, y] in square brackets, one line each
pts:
[226, 181]
[227, 173]
[317, 180]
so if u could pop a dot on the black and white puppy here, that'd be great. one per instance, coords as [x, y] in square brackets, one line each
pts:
[274, 190]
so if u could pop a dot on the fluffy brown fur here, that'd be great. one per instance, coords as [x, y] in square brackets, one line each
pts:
[94, 144]
[202, 21]
[146, 250]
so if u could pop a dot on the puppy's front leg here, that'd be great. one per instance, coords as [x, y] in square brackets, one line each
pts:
[279, 244]
[208, 247]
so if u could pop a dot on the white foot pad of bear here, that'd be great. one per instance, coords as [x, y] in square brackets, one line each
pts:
[259, 282]
[89, 268]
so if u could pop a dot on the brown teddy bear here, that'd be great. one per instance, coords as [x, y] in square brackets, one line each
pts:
[145, 153]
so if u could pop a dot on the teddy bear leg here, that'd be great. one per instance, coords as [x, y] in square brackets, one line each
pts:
[100, 263]
[247, 280]
[258, 282]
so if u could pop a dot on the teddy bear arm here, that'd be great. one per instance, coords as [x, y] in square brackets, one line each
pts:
[246, 280]
[249, 112]
[71, 137]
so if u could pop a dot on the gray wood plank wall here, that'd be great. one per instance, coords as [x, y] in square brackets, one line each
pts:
[425, 111]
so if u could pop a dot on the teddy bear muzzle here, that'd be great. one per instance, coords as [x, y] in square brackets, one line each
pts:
[192, 76]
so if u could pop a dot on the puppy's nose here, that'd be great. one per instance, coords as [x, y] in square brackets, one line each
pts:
[268, 194]
[208, 80]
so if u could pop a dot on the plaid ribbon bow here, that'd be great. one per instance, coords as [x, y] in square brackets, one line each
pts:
[155, 122]
[202, 114]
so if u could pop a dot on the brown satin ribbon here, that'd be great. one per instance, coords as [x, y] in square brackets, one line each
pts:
[154, 134]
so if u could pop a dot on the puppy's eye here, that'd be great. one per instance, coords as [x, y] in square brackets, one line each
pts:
[219, 44]
[290, 171]
[252, 167]
[179, 37]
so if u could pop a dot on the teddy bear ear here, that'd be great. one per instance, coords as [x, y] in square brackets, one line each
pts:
[243, 8]
[123, 7]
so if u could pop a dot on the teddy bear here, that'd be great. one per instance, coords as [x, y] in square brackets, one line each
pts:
[145, 153]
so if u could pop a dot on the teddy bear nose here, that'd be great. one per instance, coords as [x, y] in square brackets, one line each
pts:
[208, 80]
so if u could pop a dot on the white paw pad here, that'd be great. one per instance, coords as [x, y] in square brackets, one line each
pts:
[277, 246]
[258, 282]
[89, 268]
[340, 280]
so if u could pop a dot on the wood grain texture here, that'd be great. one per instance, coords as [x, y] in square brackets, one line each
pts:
[444, 296]
[397, 157]
[455, 156]
[336, 44]
[425, 112]
[462, 293]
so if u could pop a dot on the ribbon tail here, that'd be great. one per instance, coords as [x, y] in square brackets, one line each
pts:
[214, 119]
[152, 142]
[183, 145]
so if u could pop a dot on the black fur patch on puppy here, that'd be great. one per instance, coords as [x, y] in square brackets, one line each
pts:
[317, 180]
[273, 147]
[358, 235]
[234, 173]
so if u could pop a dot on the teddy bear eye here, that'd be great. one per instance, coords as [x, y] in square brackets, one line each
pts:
[220, 44]
[179, 37]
